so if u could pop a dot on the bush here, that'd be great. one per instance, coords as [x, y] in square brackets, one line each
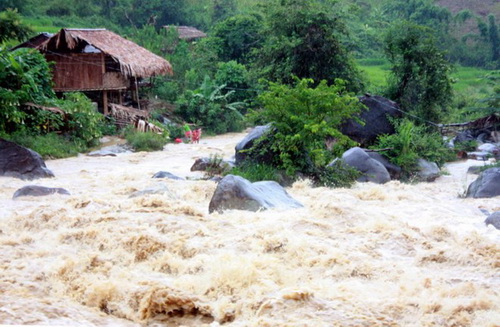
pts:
[303, 119]
[209, 108]
[147, 141]
[337, 175]
[84, 122]
[256, 172]
[411, 142]
[49, 146]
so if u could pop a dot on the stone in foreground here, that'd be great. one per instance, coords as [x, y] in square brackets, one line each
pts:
[427, 171]
[371, 169]
[493, 219]
[166, 174]
[235, 192]
[35, 190]
[20, 162]
[487, 185]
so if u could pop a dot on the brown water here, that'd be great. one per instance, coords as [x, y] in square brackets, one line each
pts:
[373, 255]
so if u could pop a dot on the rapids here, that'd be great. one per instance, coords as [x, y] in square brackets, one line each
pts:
[373, 255]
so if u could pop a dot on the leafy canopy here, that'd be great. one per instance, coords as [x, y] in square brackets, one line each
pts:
[303, 38]
[420, 75]
[304, 117]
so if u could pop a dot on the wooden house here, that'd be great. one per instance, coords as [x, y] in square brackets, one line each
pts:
[188, 33]
[100, 63]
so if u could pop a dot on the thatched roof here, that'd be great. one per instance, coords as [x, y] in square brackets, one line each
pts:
[134, 60]
[188, 33]
[34, 42]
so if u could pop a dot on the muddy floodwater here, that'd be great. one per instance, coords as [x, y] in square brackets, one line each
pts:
[373, 255]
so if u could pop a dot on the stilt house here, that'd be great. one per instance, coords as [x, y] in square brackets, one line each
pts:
[101, 64]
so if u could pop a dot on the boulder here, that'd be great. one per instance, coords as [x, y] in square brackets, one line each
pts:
[487, 185]
[235, 192]
[493, 219]
[427, 171]
[201, 164]
[492, 149]
[215, 166]
[35, 190]
[465, 136]
[375, 120]
[101, 153]
[20, 162]
[166, 174]
[111, 150]
[248, 142]
[371, 169]
[474, 170]
[161, 189]
[393, 170]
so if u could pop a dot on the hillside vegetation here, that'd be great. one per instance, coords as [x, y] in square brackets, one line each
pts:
[263, 57]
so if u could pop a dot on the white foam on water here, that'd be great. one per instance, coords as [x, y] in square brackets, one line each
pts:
[373, 255]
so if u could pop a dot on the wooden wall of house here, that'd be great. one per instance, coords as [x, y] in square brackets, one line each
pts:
[84, 72]
[77, 71]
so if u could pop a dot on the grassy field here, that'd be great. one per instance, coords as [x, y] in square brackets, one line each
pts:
[470, 80]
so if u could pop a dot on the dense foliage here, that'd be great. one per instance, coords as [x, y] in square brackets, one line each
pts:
[303, 39]
[208, 107]
[302, 47]
[303, 117]
[25, 78]
[420, 80]
[11, 26]
[412, 142]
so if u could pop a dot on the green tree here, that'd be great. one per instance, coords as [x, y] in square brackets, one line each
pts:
[19, 5]
[11, 26]
[236, 78]
[419, 80]
[421, 12]
[494, 39]
[303, 118]
[303, 38]
[210, 108]
[237, 36]
[24, 77]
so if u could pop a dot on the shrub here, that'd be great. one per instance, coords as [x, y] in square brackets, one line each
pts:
[411, 142]
[49, 146]
[256, 172]
[147, 141]
[303, 118]
[84, 122]
[209, 108]
[337, 175]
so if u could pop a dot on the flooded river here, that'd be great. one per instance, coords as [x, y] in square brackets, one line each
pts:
[373, 255]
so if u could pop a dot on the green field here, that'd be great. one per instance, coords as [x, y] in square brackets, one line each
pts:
[470, 80]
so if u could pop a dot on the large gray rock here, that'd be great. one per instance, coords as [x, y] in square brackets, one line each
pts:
[249, 141]
[160, 189]
[212, 165]
[20, 162]
[487, 185]
[371, 169]
[35, 190]
[235, 192]
[393, 170]
[166, 174]
[427, 171]
[375, 120]
[493, 219]
[110, 151]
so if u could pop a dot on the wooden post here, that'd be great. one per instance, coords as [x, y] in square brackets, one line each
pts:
[105, 102]
[104, 92]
